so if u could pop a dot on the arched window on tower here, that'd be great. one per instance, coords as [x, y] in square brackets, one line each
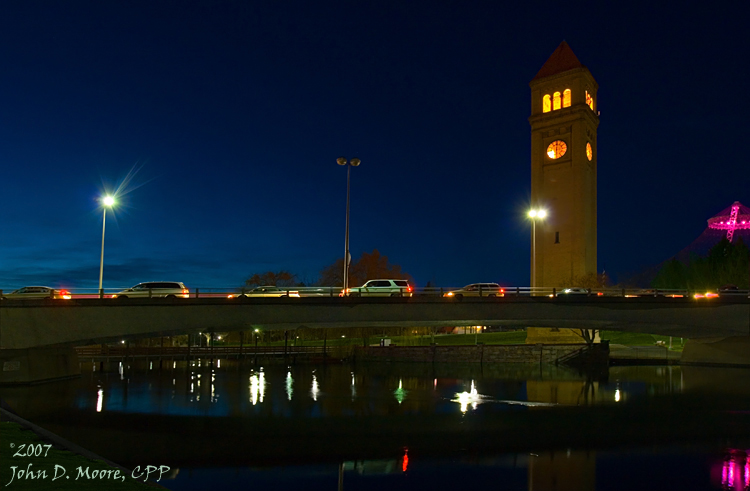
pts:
[556, 101]
[546, 103]
[566, 98]
[589, 100]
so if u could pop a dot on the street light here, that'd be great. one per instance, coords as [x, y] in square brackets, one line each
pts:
[538, 214]
[347, 257]
[108, 202]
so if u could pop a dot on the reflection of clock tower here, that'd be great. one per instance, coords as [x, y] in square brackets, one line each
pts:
[563, 122]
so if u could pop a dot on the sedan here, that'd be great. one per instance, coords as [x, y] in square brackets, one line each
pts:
[477, 290]
[36, 292]
[267, 291]
[574, 291]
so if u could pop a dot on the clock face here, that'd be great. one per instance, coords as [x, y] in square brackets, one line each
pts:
[589, 152]
[556, 149]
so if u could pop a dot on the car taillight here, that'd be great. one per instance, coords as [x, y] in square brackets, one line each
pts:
[185, 292]
[408, 288]
[65, 294]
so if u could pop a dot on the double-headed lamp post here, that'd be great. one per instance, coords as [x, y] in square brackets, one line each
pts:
[347, 257]
[535, 214]
[107, 202]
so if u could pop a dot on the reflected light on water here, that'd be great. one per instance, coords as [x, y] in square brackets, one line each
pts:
[735, 471]
[314, 390]
[99, 400]
[617, 395]
[257, 387]
[289, 386]
[354, 389]
[400, 393]
[466, 398]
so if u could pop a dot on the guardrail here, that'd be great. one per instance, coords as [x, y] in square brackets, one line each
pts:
[453, 293]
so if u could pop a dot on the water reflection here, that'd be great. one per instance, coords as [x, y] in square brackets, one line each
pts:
[465, 398]
[400, 393]
[257, 387]
[314, 390]
[735, 471]
[289, 386]
[475, 416]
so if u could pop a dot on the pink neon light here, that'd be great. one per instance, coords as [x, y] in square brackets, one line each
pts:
[735, 221]
[732, 221]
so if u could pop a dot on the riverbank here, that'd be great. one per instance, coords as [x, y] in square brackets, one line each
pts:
[36, 459]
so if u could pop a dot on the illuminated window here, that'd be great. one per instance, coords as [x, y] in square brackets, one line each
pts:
[556, 149]
[566, 98]
[589, 152]
[589, 100]
[546, 104]
[556, 101]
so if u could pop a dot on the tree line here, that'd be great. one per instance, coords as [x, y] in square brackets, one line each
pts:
[727, 263]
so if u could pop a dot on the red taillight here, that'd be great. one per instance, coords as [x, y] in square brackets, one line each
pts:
[185, 292]
[502, 290]
[65, 294]
[408, 288]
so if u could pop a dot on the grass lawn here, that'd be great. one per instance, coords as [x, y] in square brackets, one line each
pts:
[17, 441]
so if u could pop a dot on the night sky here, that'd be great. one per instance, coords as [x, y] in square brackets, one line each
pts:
[228, 118]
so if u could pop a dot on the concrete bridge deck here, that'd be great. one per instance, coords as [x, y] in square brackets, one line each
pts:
[40, 323]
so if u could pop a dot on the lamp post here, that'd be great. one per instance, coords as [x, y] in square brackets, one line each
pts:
[534, 214]
[347, 257]
[108, 202]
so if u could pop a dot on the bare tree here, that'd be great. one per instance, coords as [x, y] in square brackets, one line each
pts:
[369, 266]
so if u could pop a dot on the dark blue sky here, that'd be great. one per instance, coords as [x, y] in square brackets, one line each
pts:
[235, 112]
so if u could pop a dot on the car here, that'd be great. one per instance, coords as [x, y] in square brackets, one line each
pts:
[477, 290]
[36, 292]
[573, 291]
[267, 291]
[153, 289]
[380, 288]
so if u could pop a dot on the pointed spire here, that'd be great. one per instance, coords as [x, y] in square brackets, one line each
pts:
[561, 60]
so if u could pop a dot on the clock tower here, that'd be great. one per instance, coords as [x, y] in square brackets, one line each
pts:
[564, 119]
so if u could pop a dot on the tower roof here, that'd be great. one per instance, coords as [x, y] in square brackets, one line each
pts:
[561, 60]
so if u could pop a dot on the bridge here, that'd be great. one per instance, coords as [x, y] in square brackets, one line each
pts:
[54, 324]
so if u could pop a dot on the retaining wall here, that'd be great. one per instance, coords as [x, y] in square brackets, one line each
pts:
[516, 353]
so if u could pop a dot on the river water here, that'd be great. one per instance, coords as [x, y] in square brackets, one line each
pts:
[231, 425]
